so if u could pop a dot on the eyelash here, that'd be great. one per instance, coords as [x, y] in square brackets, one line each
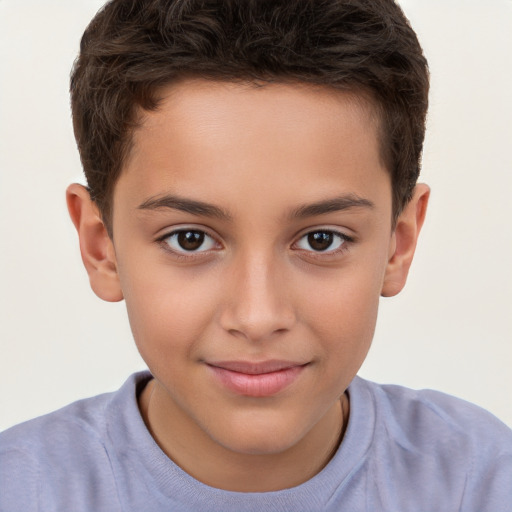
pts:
[344, 241]
[183, 253]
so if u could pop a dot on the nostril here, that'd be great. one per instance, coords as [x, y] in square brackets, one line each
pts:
[236, 333]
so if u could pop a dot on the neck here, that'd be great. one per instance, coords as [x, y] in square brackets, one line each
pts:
[217, 466]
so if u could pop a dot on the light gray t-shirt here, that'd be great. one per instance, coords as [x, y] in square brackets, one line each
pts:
[403, 450]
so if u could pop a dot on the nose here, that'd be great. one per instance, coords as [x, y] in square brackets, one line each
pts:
[258, 305]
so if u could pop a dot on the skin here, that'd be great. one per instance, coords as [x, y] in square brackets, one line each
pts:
[257, 289]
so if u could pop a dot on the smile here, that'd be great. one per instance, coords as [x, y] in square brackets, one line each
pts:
[256, 379]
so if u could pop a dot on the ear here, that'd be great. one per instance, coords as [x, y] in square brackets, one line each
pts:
[96, 247]
[404, 239]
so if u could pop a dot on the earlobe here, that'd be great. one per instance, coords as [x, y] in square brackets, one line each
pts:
[96, 247]
[403, 243]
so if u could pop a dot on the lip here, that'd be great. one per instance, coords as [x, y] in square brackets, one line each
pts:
[260, 379]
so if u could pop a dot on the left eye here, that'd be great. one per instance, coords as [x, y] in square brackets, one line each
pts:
[322, 241]
[189, 240]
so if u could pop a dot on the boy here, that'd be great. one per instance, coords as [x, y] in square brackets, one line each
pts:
[252, 192]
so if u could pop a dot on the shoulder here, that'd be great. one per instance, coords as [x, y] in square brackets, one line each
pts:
[83, 419]
[452, 444]
[432, 413]
[46, 452]
[64, 450]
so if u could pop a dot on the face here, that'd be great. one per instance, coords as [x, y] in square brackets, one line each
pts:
[252, 232]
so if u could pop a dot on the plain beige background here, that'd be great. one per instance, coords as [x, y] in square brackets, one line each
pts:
[451, 328]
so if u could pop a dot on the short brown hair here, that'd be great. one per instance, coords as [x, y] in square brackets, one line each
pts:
[133, 47]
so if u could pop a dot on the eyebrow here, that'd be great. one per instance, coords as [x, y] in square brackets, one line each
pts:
[335, 204]
[191, 206]
[204, 209]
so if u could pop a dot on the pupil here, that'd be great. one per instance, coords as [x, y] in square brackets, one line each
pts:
[190, 240]
[320, 241]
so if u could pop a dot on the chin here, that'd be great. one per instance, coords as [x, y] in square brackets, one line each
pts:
[259, 437]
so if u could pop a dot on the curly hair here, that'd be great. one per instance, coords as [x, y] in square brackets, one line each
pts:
[134, 47]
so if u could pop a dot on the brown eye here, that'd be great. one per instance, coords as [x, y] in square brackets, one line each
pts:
[189, 240]
[322, 241]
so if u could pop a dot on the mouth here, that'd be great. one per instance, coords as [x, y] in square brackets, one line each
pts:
[261, 379]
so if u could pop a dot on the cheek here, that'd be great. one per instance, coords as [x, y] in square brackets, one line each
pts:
[168, 311]
[343, 314]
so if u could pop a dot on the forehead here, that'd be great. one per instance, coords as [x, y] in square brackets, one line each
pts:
[283, 106]
[207, 136]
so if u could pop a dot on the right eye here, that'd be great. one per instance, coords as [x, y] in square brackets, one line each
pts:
[189, 240]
